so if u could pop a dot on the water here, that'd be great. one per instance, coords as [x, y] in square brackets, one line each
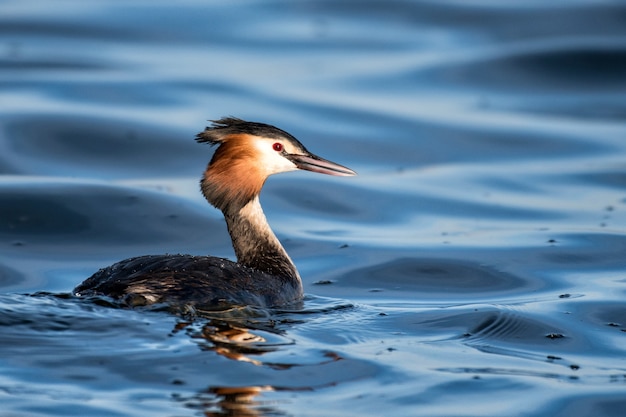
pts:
[476, 266]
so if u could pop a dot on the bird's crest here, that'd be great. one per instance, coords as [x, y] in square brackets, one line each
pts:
[219, 131]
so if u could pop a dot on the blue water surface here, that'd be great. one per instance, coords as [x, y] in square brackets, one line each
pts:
[476, 266]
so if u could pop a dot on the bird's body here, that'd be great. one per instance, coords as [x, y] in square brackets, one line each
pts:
[263, 275]
[204, 281]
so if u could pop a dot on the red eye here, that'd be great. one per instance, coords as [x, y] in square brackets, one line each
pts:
[277, 147]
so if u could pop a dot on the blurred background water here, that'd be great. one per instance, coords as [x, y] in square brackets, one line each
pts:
[476, 266]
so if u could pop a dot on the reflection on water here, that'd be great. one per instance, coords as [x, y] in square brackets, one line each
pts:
[476, 262]
[230, 401]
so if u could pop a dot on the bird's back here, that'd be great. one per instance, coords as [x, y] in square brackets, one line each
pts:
[189, 280]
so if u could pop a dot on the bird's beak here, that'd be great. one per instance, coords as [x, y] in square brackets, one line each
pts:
[314, 163]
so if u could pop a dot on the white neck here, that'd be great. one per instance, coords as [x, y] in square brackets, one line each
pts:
[255, 244]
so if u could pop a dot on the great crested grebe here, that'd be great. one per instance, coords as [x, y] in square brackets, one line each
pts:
[263, 275]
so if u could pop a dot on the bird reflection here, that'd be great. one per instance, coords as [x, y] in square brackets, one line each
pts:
[233, 402]
[239, 402]
[241, 341]
[234, 342]
[247, 340]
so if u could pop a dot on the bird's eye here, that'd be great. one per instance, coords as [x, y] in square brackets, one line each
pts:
[277, 146]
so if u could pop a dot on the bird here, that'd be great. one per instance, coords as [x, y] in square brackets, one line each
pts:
[264, 275]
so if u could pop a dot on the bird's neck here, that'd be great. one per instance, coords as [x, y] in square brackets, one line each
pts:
[254, 242]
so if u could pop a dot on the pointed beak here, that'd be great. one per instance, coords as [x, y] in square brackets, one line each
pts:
[314, 163]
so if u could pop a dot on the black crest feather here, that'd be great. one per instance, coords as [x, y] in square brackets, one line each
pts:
[220, 129]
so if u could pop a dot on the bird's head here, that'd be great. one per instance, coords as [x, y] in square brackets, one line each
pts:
[250, 152]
